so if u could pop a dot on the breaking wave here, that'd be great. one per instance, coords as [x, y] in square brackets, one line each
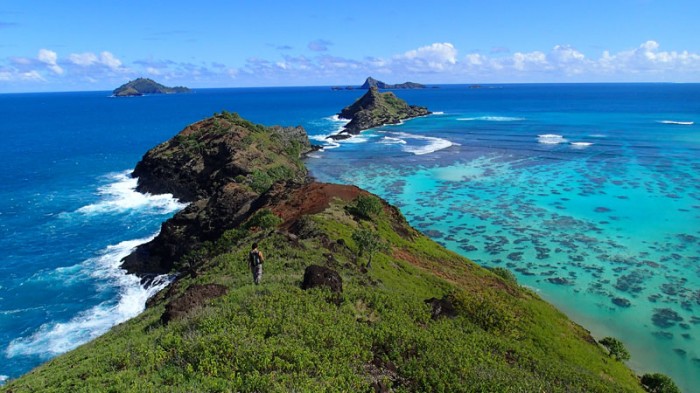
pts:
[550, 139]
[491, 118]
[120, 195]
[55, 338]
[681, 123]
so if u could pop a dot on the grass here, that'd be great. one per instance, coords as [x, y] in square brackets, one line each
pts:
[278, 338]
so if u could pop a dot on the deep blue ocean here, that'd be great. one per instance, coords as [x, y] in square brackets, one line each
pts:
[589, 193]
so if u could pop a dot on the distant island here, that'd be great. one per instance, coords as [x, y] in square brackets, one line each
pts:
[376, 109]
[142, 86]
[371, 82]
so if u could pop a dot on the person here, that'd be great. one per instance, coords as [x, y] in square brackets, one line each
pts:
[255, 261]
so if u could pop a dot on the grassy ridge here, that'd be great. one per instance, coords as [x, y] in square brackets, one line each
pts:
[378, 335]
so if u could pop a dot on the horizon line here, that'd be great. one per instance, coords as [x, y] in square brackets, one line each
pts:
[358, 87]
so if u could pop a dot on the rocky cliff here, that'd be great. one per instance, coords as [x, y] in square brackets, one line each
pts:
[420, 318]
[142, 86]
[375, 109]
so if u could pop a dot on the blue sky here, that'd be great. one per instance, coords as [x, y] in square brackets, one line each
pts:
[97, 45]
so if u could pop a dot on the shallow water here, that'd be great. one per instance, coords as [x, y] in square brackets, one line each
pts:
[598, 211]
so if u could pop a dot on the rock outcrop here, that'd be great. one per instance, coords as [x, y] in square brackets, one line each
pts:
[221, 165]
[371, 82]
[375, 109]
[143, 86]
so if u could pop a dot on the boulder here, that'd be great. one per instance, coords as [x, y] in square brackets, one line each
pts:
[319, 276]
[442, 307]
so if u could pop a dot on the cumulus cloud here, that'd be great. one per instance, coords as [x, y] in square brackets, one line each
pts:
[435, 57]
[432, 63]
[83, 59]
[319, 45]
[90, 59]
[49, 58]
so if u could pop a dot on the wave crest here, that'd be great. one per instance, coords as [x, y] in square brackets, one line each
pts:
[491, 118]
[120, 195]
[54, 338]
[550, 139]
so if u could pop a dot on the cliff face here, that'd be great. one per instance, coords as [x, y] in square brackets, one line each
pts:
[420, 318]
[375, 109]
[141, 86]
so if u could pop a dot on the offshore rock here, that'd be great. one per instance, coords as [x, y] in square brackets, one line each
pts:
[376, 109]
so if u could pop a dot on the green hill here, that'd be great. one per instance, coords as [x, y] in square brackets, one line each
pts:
[142, 86]
[418, 319]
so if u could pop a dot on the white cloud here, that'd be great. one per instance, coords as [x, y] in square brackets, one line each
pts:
[434, 63]
[83, 59]
[109, 60]
[49, 58]
[34, 76]
[319, 45]
[435, 57]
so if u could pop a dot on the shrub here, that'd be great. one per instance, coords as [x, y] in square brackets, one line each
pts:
[488, 310]
[263, 219]
[367, 206]
[615, 348]
[659, 383]
[368, 241]
[504, 274]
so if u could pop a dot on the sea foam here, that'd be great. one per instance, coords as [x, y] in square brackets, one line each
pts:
[680, 123]
[120, 195]
[491, 118]
[550, 139]
[434, 144]
[581, 145]
[55, 338]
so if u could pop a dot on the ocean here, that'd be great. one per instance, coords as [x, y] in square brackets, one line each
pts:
[589, 193]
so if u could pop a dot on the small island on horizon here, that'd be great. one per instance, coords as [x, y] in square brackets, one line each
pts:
[143, 86]
[371, 82]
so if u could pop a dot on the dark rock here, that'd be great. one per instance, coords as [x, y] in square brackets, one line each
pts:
[621, 302]
[442, 307]
[319, 276]
[194, 297]
[665, 317]
[560, 281]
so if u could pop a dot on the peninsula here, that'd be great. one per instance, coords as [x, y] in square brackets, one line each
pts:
[142, 86]
[376, 109]
[352, 297]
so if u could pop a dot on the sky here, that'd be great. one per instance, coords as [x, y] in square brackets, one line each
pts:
[77, 45]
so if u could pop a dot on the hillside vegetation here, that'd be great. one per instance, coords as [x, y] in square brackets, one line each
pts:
[419, 318]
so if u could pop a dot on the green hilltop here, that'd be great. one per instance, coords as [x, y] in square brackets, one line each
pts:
[419, 318]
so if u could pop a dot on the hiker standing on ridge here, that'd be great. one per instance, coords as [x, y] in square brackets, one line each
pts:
[255, 261]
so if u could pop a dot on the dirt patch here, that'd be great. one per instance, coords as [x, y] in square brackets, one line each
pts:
[311, 198]
[194, 297]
